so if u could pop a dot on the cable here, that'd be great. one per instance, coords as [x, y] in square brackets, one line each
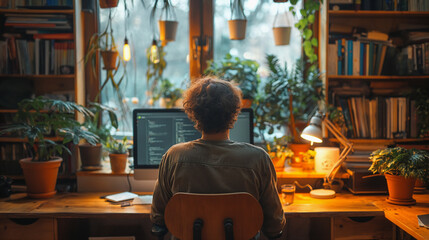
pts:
[306, 185]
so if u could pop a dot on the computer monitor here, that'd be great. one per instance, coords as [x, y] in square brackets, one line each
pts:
[156, 130]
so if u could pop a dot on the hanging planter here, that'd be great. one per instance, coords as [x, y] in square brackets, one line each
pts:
[237, 24]
[108, 3]
[167, 22]
[167, 30]
[109, 59]
[282, 26]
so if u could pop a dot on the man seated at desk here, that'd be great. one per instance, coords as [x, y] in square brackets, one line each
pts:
[215, 164]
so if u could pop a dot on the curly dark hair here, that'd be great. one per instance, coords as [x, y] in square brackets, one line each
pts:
[212, 104]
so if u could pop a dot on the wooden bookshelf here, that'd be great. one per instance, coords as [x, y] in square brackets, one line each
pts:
[20, 140]
[40, 76]
[378, 78]
[70, 86]
[373, 85]
[37, 11]
[378, 20]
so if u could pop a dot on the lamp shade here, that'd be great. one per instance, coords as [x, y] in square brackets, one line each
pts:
[313, 132]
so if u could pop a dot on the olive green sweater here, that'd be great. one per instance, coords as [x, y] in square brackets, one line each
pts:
[202, 166]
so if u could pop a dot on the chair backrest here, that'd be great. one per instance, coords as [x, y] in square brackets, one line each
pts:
[184, 208]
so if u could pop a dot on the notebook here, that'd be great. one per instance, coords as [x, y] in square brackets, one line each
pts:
[119, 197]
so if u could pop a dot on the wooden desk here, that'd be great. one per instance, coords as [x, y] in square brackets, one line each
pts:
[90, 206]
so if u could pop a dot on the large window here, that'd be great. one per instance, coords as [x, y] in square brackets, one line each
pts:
[258, 42]
[140, 36]
[259, 39]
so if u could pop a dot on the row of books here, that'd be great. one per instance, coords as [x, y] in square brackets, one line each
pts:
[367, 58]
[38, 56]
[380, 5]
[380, 117]
[58, 4]
[46, 22]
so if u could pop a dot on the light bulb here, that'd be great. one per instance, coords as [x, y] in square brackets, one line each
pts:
[135, 100]
[154, 53]
[126, 50]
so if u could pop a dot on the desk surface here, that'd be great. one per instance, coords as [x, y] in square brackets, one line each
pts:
[87, 205]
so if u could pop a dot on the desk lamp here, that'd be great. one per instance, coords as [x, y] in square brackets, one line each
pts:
[313, 133]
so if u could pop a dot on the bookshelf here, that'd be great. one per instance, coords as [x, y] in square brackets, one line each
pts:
[55, 29]
[351, 26]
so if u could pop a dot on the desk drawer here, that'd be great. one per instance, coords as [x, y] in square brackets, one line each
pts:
[27, 228]
[377, 227]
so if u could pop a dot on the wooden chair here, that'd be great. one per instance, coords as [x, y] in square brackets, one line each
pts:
[213, 216]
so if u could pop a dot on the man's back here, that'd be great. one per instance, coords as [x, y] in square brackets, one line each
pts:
[219, 167]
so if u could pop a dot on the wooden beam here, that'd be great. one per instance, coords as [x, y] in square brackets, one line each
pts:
[200, 31]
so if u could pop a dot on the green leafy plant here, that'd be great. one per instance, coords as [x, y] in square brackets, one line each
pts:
[48, 126]
[104, 42]
[288, 95]
[168, 92]
[244, 72]
[305, 24]
[117, 146]
[401, 161]
[94, 124]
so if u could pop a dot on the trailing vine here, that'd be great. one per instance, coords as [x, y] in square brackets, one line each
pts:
[304, 26]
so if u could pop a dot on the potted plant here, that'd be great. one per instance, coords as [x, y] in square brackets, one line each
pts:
[401, 167]
[237, 24]
[48, 126]
[167, 22]
[118, 153]
[279, 153]
[104, 43]
[167, 94]
[90, 155]
[108, 3]
[289, 98]
[243, 72]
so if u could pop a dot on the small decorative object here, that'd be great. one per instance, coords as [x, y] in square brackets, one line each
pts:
[237, 24]
[313, 133]
[401, 167]
[308, 160]
[325, 158]
[279, 153]
[108, 3]
[282, 26]
[49, 125]
[118, 154]
[167, 23]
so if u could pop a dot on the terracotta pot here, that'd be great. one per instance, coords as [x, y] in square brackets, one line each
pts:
[40, 177]
[118, 162]
[109, 59]
[281, 35]
[298, 149]
[279, 163]
[237, 29]
[420, 186]
[246, 103]
[167, 30]
[400, 189]
[90, 156]
[108, 3]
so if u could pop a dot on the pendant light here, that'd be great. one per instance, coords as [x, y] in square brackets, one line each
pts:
[154, 52]
[237, 24]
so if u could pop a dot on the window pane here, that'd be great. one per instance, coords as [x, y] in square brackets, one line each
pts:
[259, 39]
[140, 36]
